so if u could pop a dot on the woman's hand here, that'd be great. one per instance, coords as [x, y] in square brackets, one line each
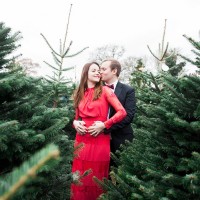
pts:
[96, 128]
[80, 127]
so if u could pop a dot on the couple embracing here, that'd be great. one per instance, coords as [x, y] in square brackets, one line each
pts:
[102, 121]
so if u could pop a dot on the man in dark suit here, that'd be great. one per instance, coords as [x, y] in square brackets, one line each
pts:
[110, 71]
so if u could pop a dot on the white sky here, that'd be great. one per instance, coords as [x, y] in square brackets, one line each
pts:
[94, 23]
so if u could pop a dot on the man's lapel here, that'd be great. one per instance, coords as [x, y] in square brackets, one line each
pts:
[118, 90]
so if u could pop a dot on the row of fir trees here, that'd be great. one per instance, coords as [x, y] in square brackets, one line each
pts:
[35, 131]
[163, 161]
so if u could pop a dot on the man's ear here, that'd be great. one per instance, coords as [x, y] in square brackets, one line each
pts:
[114, 71]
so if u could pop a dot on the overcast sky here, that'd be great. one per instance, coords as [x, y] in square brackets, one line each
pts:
[94, 23]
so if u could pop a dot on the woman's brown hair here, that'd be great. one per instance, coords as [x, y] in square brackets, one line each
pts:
[79, 93]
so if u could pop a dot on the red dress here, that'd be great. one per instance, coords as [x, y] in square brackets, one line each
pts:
[95, 153]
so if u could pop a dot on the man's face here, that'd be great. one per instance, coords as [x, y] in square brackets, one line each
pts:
[106, 73]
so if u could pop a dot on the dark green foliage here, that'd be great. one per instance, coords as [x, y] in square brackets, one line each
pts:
[28, 122]
[15, 180]
[163, 160]
[7, 43]
[174, 67]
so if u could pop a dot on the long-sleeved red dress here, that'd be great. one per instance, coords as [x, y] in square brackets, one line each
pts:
[95, 153]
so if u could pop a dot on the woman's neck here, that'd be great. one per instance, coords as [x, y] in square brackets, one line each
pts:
[90, 84]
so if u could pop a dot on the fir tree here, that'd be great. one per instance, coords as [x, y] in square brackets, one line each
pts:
[27, 125]
[59, 90]
[19, 176]
[137, 77]
[163, 160]
[59, 85]
[8, 43]
[174, 67]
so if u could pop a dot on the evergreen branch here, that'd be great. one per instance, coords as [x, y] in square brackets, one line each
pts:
[194, 43]
[76, 53]
[155, 83]
[119, 180]
[56, 74]
[67, 50]
[76, 176]
[110, 187]
[67, 28]
[28, 170]
[53, 130]
[171, 69]
[7, 124]
[66, 82]
[15, 57]
[50, 65]
[171, 79]
[53, 79]
[170, 55]
[195, 80]
[49, 81]
[61, 79]
[13, 72]
[163, 55]
[187, 59]
[153, 53]
[195, 52]
[49, 44]
[100, 183]
[164, 38]
[60, 47]
[115, 158]
[159, 47]
[141, 111]
[7, 78]
[177, 95]
[58, 62]
[165, 52]
[66, 69]
[43, 99]
[17, 35]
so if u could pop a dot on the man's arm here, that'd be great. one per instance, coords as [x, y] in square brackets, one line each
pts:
[130, 107]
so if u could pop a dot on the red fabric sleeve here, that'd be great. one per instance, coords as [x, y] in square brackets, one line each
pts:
[115, 103]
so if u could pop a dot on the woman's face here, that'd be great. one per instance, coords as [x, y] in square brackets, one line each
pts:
[94, 73]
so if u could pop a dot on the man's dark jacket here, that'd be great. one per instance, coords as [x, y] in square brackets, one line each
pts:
[123, 131]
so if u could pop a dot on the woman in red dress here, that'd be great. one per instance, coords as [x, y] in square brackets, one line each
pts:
[92, 101]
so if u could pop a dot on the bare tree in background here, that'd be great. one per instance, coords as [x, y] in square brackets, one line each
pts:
[116, 52]
[107, 51]
[30, 68]
[129, 65]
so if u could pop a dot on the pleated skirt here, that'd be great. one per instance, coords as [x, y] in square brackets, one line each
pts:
[91, 153]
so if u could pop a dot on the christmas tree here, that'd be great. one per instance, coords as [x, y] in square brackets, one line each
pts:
[28, 124]
[163, 160]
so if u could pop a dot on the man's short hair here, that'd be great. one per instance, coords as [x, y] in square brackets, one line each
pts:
[114, 64]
